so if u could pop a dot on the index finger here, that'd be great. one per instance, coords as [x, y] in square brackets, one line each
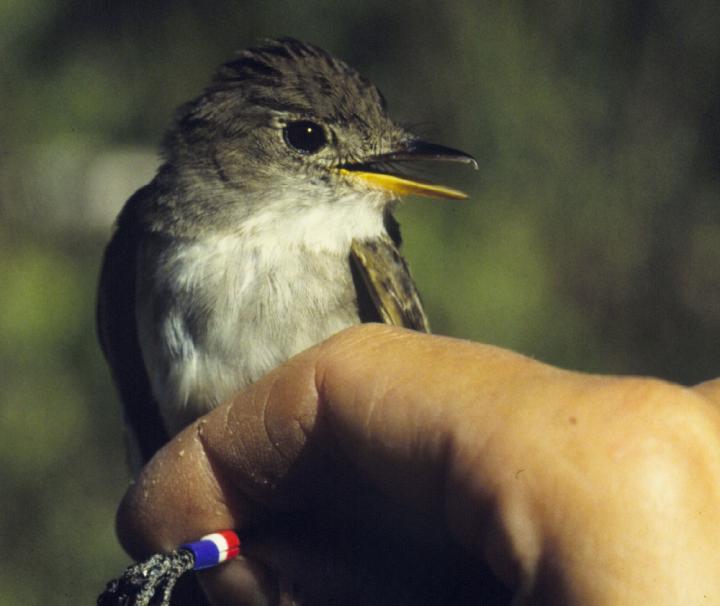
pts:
[381, 396]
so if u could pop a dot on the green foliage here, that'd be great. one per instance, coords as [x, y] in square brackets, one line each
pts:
[591, 238]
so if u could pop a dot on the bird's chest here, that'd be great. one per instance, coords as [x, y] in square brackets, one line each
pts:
[216, 315]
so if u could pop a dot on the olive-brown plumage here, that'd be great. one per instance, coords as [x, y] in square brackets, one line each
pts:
[267, 229]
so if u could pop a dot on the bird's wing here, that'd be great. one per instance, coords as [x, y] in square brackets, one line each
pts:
[117, 331]
[386, 291]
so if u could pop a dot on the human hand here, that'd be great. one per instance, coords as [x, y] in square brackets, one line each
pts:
[571, 488]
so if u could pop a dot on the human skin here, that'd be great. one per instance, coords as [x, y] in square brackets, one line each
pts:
[572, 488]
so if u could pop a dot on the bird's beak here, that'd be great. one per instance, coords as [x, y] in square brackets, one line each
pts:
[378, 171]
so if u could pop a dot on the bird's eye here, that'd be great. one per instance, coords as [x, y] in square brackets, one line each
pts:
[305, 136]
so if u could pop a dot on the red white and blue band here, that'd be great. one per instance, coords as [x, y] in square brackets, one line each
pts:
[213, 549]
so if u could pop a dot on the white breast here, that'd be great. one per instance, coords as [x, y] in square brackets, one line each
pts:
[216, 314]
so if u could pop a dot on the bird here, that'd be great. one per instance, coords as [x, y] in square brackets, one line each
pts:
[268, 228]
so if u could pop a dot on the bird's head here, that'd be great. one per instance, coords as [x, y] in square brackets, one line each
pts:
[287, 127]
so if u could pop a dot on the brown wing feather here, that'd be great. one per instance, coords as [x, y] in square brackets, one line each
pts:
[117, 332]
[389, 285]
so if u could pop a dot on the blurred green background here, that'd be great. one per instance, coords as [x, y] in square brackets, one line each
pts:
[591, 239]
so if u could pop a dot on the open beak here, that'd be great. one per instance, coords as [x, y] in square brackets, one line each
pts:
[378, 171]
